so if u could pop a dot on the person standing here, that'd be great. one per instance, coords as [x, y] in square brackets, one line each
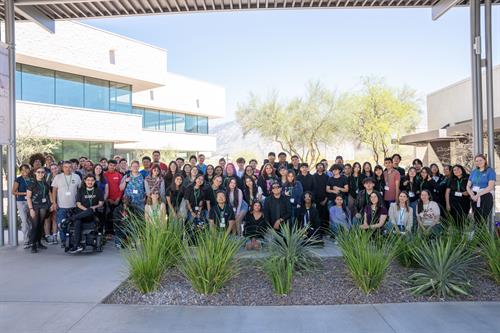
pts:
[133, 187]
[38, 198]
[457, 197]
[480, 186]
[305, 178]
[64, 189]
[156, 160]
[396, 159]
[392, 180]
[20, 187]
[319, 195]
[114, 178]
[202, 167]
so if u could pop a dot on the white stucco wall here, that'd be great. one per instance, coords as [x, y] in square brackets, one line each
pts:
[172, 141]
[185, 95]
[454, 103]
[85, 50]
[67, 123]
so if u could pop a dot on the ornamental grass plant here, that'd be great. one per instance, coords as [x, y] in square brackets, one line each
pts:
[368, 256]
[151, 248]
[212, 262]
[489, 245]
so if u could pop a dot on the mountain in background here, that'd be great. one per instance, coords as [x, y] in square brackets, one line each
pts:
[231, 144]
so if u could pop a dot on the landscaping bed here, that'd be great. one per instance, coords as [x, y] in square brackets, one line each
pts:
[331, 284]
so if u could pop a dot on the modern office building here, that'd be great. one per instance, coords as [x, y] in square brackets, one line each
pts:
[449, 123]
[99, 93]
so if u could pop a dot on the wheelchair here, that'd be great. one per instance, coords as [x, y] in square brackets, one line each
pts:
[91, 233]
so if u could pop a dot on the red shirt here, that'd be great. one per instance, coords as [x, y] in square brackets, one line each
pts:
[114, 179]
[390, 184]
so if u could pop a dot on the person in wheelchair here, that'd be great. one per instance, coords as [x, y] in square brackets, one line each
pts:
[88, 199]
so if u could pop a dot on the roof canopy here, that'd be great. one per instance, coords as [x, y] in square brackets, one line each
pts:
[77, 9]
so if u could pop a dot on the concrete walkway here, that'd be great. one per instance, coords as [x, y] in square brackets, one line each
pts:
[55, 292]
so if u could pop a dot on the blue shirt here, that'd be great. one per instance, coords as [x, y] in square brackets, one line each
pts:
[23, 186]
[144, 173]
[481, 179]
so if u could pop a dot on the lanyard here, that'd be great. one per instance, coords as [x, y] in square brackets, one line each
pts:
[89, 198]
[66, 180]
[401, 215]
[459, 185]
[42, 185]
[221, 213]
[196, 194]
[307, 217]
[374, 215]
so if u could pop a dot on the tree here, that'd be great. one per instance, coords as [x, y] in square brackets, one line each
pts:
[299, 126]
[28, 142]
[377, 114]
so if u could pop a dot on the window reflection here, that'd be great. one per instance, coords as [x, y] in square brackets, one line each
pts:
[69, 89]
[96, 94]
[37, 84]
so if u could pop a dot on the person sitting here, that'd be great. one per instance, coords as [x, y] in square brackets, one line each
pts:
[255, 226]
[428, 214]
[401, 214]
[308, 216]
[277, 209]
[375, 213]
[155, 209]
[88, 200]
[340, 216]
[222, 215]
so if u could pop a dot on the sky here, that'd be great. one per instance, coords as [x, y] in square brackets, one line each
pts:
[262, 51]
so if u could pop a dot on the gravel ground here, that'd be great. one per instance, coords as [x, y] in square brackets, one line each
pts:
[331, 285]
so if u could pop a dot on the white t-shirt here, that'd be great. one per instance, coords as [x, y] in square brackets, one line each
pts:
[67, 188]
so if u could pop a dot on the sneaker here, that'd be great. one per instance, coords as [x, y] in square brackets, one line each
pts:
[48, 239]
[41, 246]
[76, 250]
[118, 246]
[54, 240]
[27, 245]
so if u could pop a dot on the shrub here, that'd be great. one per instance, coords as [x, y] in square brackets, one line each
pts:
[280, 271]
[367, 256]
[489, 245]
[407, 244]
[290, 250]
[445, 266]
[152, 248]
[212, 263]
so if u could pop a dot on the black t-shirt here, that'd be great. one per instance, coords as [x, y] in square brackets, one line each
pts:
[339, 182]
[412, 188]
[221, 217]
[89, 198]
[39, 193]
[195, 196]
[176, 197]
[355, 185]
[210, 194]
[458, 185]
[319, 186]
[307, 182]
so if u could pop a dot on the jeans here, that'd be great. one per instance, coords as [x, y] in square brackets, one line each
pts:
[22, 208]
[62, 213]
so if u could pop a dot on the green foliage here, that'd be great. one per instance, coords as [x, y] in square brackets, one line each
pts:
[284, 122]
[30, 140]
[152, 248]
[213, 262]
[367, 256]
[290, 251]
[408, 243]
[444, 268]
[377, 114]
[490, 250]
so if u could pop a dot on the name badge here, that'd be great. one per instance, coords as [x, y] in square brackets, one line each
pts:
[135, 191]
[44, 200]
[386, 188]
[476, 188]
[67, 194]
[292, 200]
[458, 194]
[222, 222]
[411, 194]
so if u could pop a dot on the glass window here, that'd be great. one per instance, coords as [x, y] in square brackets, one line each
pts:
[202, 125]
[98, 150]
[151, 119]
[120, 97]
[179, 122]
[18, 82]
[166, 121]
[73, 149]
[37, 84]
[191, 124]
[96, 94]
[69, 89]
[136, 110]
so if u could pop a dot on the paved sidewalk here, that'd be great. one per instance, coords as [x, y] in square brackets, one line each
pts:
[55, 292]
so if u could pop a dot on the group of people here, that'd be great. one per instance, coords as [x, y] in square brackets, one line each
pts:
[246, 199]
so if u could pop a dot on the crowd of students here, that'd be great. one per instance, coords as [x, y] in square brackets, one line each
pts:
[246, 199]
